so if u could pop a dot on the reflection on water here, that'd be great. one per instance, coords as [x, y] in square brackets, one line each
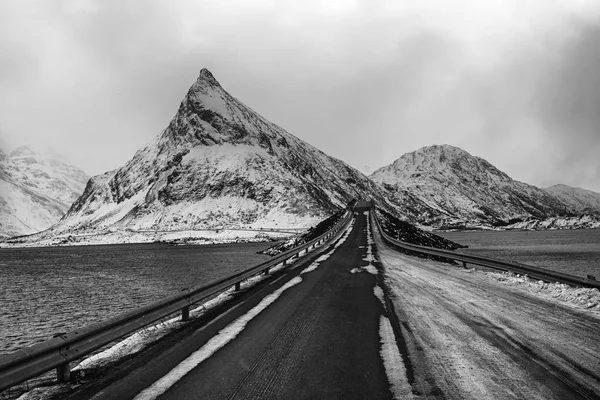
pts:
[44, 291]
[575, 252]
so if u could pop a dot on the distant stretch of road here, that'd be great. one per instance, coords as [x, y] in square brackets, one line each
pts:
[313, 332]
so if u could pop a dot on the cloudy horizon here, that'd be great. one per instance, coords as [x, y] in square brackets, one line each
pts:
[364, 81]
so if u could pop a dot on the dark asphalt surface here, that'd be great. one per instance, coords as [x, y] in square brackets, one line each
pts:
[318, 340]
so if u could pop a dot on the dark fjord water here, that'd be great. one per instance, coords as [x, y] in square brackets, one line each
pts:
[48, 290]
[575, 252]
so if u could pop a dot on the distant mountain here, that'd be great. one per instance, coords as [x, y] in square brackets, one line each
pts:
[36, 190]
[444, 187]
[218, 164]
[581, 200]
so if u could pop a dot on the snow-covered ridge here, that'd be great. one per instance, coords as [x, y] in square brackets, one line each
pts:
[36, 190]
[583, 222]
[446, 187]
[582, 200]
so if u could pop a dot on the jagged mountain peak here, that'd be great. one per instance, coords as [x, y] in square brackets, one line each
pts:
[218, 164]
[207, 76]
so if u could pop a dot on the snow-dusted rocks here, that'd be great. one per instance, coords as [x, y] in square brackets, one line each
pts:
[445, 187]
[36, 190]
[217, 165]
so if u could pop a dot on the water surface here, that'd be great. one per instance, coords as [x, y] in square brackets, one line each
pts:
[575, 252]
[48, 290]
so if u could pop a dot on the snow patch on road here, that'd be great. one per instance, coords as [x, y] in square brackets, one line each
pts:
[367, 268]
[370, 268]
[378, 292]
[392, 361]
[225, 336]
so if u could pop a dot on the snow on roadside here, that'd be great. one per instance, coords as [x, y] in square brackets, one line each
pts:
[392, 361]
[324, 257]
[224, 336]
[140, 339]
[585, 298]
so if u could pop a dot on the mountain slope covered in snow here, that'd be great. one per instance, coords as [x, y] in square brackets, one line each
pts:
[218, 164]
[582, 200]
[36, 190]
[444, 187]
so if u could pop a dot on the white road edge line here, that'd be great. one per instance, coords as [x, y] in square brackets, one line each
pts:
[224, 336]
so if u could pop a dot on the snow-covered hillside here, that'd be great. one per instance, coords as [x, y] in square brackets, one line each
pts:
[444, 187]
[581, 222]
[582, 200]
[36, 190]
[218, 164]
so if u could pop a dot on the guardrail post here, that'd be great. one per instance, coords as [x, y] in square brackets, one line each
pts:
[238, 287]
[185, 313]
[266, 271]
[464, 263]
[63, 373]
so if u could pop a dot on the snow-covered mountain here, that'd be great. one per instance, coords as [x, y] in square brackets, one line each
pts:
[444, 186]
[218, 164]
[581, 200]
[36, 190]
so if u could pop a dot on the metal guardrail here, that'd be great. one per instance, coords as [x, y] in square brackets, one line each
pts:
[524, 269]
[58, 352]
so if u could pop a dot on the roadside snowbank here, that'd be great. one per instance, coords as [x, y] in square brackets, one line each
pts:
[578, 297]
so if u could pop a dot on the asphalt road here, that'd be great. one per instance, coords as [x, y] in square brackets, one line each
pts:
[318, 340]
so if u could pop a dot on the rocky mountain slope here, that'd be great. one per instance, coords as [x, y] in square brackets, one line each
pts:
[218, 164]
[583, 201]
[36, 190]
[445, 187]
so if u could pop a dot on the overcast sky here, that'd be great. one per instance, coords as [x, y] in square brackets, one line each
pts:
[516, 82]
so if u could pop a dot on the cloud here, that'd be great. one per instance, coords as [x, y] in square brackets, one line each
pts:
[569, 104]
[365, 81]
